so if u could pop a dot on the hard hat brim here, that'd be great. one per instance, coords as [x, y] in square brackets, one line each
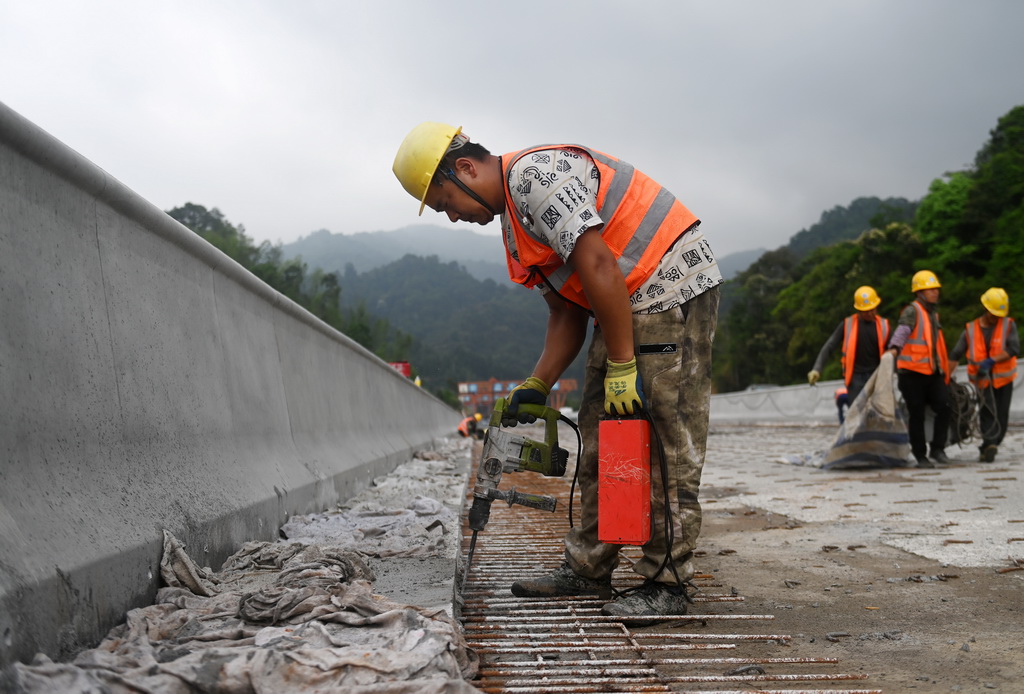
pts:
[426, 189]
[419, 156]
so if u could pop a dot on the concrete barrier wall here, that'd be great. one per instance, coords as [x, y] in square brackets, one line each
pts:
[148, 382]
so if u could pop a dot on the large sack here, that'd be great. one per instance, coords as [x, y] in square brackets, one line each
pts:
[874, 434]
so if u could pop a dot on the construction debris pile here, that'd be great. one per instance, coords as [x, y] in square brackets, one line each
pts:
[291, 616]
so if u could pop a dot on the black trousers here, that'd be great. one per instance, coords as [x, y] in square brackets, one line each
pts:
[921, 391]
[858, 379]
[994, 413]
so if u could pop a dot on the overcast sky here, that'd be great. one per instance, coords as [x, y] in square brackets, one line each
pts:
[759, 115]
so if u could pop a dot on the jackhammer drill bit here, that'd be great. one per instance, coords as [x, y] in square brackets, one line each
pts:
[504, 451]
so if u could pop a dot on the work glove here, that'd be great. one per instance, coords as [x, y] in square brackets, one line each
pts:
[813, 377]
[623, 392]
[532, 391]
[985, 367]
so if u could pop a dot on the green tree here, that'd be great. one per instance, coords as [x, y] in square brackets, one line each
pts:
[940, 215]
[215, 228]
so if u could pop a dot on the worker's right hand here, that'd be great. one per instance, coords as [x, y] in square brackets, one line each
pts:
[532, 391]
[813, 377]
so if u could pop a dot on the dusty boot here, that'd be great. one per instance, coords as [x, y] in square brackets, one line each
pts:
[940, 457]
[922, 461]
[652, 599]
[562, 581]
[988, 453]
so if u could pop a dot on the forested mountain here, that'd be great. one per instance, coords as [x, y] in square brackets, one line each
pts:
[838, 224]
[847, 223]
[967, 229]
[482, 255]
[735, 263]
[464, 329]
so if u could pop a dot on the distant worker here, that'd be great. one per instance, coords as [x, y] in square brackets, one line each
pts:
[842, 402]
[922, 365]
[599, 240]
[863, 337]
[468, 426]
[992, 345]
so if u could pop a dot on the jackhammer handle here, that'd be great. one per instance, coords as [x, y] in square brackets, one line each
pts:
[538, 501]
[548, 414]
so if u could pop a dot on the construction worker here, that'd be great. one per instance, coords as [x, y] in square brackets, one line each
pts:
[468, 426]
[992, 345]
[863, 337]
[599, 238]
[842, 398]
[922, 366]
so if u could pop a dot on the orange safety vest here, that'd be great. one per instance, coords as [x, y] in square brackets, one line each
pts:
[917, 353]
[1003, 372]
[641, 222]
[850, 329]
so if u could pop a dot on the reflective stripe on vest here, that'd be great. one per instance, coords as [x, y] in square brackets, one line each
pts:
[1003, 372]
[642, 220]
[850, 330]
[918, 353]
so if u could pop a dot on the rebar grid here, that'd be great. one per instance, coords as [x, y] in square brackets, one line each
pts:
[565, 645]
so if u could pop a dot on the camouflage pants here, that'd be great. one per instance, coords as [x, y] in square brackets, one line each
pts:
[677, 386]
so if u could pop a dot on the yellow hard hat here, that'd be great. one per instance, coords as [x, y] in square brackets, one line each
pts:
[865, 298]
[924, 279]
[478, 416]
[996, 301]
[418, 156]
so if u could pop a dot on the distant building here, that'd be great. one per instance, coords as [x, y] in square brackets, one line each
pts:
[479, 396]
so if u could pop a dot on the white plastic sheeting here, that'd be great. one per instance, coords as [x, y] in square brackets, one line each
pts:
[291, 616]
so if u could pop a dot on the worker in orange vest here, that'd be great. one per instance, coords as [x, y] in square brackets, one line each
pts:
[992, 345]
[468, 426]
[842, 398]
[922, 365]
[599, 239]
[863, 337]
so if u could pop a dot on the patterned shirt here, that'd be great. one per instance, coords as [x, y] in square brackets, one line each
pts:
[555, 195]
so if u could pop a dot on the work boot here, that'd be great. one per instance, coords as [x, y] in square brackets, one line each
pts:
[652, 599]
[939, 456]
[562, 581]
[988, 453]
[922, 461]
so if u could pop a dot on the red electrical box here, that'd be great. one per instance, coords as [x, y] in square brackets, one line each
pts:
[624, 481]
